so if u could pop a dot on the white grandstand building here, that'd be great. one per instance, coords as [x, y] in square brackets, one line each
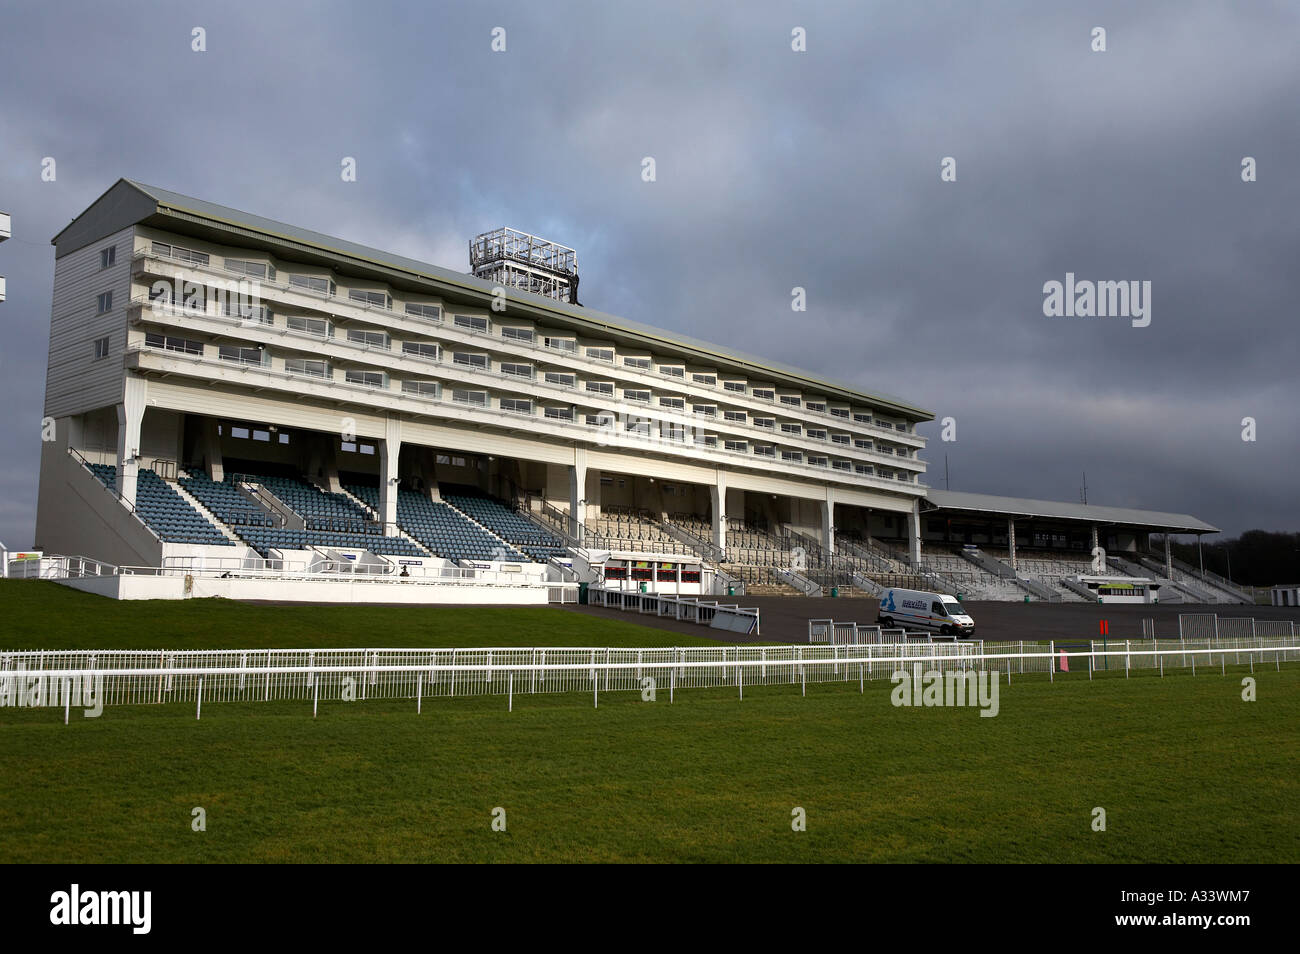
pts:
[237, 399]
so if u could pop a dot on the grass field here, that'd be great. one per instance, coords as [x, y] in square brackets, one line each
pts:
[1186, 771]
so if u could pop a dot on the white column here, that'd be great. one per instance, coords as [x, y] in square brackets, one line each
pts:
[718, 499]
[1169, 558]
[914, 532]
[828, 522]
[390, 449]
[1011, 540]
[1094, 537]
[130, 414]
[578, 490]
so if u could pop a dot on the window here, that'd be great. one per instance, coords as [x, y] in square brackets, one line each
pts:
[790, 400]
[840, 412]
[311, 326]
[245, 311]
[839, 438]
[101, 348]
[105, 302]
[470, 360]
[708, 440]
[369, 379]
[793, 457]
[518, 334]
[861, 443]
[428, 389]
[705, 410]
[817, 461]
[561, 344]
[241, 354]
[251, 269]
[370, 339]
[475, 323]
[600, 420]
[639, 426]
[736, 386]
[517, 405]
[842, 465]
[428, 350]
[632, 394]
[107, 256]
[601, 354]
[793, 429]
[708, 380]
[863, 470]
[316, 283]
[862, 418]
[562, 380]
[163, 250]
[672, 370]
[673, 432]
[518, 370]
[423, 311]
[375, 299]
[764, 450]
[816, 434]
[817, 406]
[601, 387]
[734, 446]
[736, 417]
[169, 343]
[558, 413]
[764, 394]
[767, 422]
[640, 364]
[473, 398]
[312, 368]
[677, 404]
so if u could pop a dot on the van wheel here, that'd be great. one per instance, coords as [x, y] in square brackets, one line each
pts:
[887, 622]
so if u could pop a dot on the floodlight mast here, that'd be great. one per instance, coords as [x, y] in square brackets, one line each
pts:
[518, 260]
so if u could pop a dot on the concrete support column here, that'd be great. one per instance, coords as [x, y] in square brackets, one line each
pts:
[1169, 558]
[578, 490]
[914, 532]
[1094, 537]
[210, 449]
[1011, 541]
[130, 415]
[718, 501]
[390, 451]
[828, 522]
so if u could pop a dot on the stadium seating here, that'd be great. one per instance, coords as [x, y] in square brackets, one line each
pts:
[519, 531]
[441, 528]
[226, 501]
[165, 511]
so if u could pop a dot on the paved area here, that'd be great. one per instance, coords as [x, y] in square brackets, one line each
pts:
[784, 619]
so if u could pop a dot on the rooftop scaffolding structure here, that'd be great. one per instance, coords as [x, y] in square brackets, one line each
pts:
[515, 259]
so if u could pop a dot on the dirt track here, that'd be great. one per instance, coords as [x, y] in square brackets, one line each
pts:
[785, 618]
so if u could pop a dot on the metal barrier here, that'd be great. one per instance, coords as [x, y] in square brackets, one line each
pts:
[154, 677]
[729, 616]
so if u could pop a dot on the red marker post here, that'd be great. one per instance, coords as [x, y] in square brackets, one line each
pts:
[1104, 627]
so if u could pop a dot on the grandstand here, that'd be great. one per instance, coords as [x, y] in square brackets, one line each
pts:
[305, 401]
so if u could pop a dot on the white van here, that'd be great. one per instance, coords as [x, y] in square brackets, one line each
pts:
[935, 611]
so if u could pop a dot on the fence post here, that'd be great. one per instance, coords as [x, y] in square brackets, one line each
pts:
[198, 710]
[419, 691]
[740, 679]
[1128, 660]
[1051, 660]
[510, 693]
[315, 696]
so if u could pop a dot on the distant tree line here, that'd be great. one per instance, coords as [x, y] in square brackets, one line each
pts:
[1256, 558]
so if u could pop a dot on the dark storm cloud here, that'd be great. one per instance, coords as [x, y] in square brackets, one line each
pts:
[775, 170]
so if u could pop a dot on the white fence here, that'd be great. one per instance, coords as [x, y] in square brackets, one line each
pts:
[1212, 626]
[858, 634]
[132, 677]
[728, 616]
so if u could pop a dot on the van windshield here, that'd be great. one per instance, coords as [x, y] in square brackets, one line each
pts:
[954, 608]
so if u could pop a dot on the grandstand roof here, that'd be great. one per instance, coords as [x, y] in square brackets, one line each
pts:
[1059, 510]
[129, 202]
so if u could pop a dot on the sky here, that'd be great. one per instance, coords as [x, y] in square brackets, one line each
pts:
[774, 169]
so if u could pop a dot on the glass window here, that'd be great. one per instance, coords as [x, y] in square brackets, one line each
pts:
[424, 312]
[470, 360]
[476, 323]
[561, 379]
[422, 388]
[375, 299]
[518, 334]
[370, 379]
[422, 349]
[314, 283]
[312, 326]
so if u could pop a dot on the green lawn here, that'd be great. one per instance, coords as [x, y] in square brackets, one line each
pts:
[44, 615]
[1186, 771]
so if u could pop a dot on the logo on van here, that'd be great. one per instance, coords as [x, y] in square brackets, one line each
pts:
[888, 604]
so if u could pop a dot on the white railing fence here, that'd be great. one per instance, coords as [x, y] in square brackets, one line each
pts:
[728, 616]
[133, 677]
